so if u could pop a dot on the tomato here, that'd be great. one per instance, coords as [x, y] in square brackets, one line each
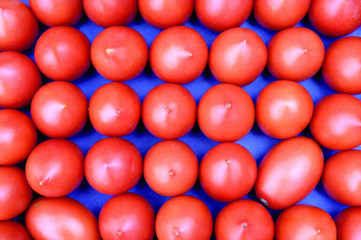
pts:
[305, 222]
[225, 113]
[119, 53]
[244, 219]
[114, 109]
[59, 109]
[336, 122]
[184, 217]
[227, 172]
[348, 223]
[62, 53]
[11, 230]
[113, 166]
[289, 172]
[127, 216]
[18, 26]
[283, 109]
[60, 218]
[170, 168]
[15, 193]
[295, 54]
[169, 111]
[18, 136]
[237, 56]
[178, 55]
[220, 15]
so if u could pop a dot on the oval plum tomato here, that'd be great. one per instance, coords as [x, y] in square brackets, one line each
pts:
[184, 217]
[119, 53]
[15, 193]
[305, 222]
[178, 55]
[18, 136]
[19, 28]
[220, 15]
[60, 218]
[114, 109]
[113, 166]
[283, 109]
[47, 168]
[341, 68]
[289, 172]
[228, 172]
[237, 56]
[335, 18]
[348, 223]
[336, 122]
[295, 54]
[62, 53]
[166, 13]
[106, 13]
[170, 168]
[12, 230]
[59, 109]
[169, 111]
[244, 219]
[127, 216]
[226, 113]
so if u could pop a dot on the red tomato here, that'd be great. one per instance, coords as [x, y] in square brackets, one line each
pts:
[305, 222]
[19, 28]
[11, 230]
[119, 53]
[336, 122]
[15, 193]
[170, 168]
[348, 223]
[61, 218]
[18, 136]
[59, 109]
[335, 18]
[244, 219]
[114, 109]
[295, 54]
[237, 56]
[113, 166]
[47, 168]
[127, 216]
[178, 55]
[184, 217]
[228, 172]
[220, 15]
[226, 113]
[169, 111]
[289, 172]
[62, 53]
[283, 109]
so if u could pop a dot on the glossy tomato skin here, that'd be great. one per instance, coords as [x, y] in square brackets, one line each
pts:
[244, 219]
[336, 122]
[12, 230]
[169, 111]
[184, 217]
[60, 218]
[227, 172]
[237, 56]
[226, 113]
[178, 55]
[283, 109]
[127, 216]
[348, 223]
[289, 172]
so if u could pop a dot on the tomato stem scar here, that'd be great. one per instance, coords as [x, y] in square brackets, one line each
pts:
[228, 105]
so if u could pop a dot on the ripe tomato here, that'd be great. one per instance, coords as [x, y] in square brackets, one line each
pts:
[244, 219]
[227, 172]
[178, 55]
[237, 56]
[226, 113]
[348, 223]
[11, 230]
[289, 172]
[184, 217]
[295, 54]
[127, 216]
